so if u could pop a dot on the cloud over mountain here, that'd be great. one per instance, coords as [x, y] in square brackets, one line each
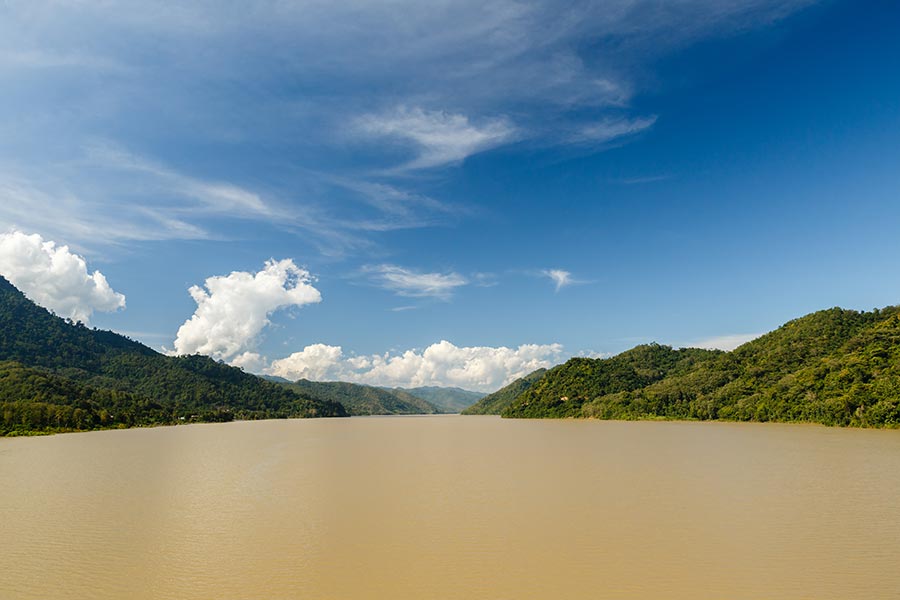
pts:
[232, 310]
[55, 277]
[482, 368]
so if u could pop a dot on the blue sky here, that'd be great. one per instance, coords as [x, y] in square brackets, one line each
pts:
[525, 181]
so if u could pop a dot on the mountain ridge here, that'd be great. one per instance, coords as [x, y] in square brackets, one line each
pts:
[834, 367]
[361, 399]
[117, 382]
[450, 399]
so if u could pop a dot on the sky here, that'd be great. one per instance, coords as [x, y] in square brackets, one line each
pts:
[448, 193]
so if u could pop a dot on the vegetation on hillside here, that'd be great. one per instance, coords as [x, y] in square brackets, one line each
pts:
[835, 367]
[493, 404]
[365, 399]
[108, 380]
[563, 390]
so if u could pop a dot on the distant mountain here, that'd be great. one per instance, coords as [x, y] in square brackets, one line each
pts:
[56, 375]
[448, 399]
[835, 367]
[273, 378]
[364, 399]
[493, 404]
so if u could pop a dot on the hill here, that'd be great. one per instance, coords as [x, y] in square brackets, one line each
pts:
[562, 390]
[835, 367]
[110, 380]
[493, 404]
[365, 399]
[448, 399]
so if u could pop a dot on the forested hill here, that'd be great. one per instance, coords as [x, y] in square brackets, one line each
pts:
[56, 376]
[493, 404]
[566, 387]
[364, 399]
[836, 367]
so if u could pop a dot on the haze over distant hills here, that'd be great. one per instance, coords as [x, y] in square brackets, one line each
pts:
[365, 399]
[448, 399]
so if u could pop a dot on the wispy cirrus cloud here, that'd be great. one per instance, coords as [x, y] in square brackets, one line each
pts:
[610, 129]
[54, 208]
[215, 196]
[107, 194]
[434, 83]
[560, 278]
[415, 284]
[438, 138]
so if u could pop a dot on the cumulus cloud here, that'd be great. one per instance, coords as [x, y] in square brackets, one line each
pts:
[482, 368]
[252, 362]
[440, 138]
[414, 284]
[726, 342]
[55, 277]
[233, 310]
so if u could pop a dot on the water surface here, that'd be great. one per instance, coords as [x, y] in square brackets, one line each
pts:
[452, 507]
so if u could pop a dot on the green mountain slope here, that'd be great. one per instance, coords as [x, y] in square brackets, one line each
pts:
[836, 367]
[448, 399]
[365, 399]
[563, 390]
[103, 371]
[493, 404]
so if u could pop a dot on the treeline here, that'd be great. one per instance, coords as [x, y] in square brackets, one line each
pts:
[58, 376]
[835, 367]
[493, 404]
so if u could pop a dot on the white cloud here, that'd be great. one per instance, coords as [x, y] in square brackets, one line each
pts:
[413, 284]
[217, 197]
[441, 138]
[57, 210]
[725, 342]
[560, 278]
[252, 362]
[55, 278]
[481, 368]
[234, 309]
[316, 362]
[609, 129]
[39, 59]
[595, 354]
[467, 76]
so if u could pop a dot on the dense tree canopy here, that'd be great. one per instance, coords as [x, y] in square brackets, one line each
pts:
[57, 375]
[493, 404]
[836, 367]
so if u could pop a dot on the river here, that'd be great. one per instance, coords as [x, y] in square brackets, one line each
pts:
[452, 507]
